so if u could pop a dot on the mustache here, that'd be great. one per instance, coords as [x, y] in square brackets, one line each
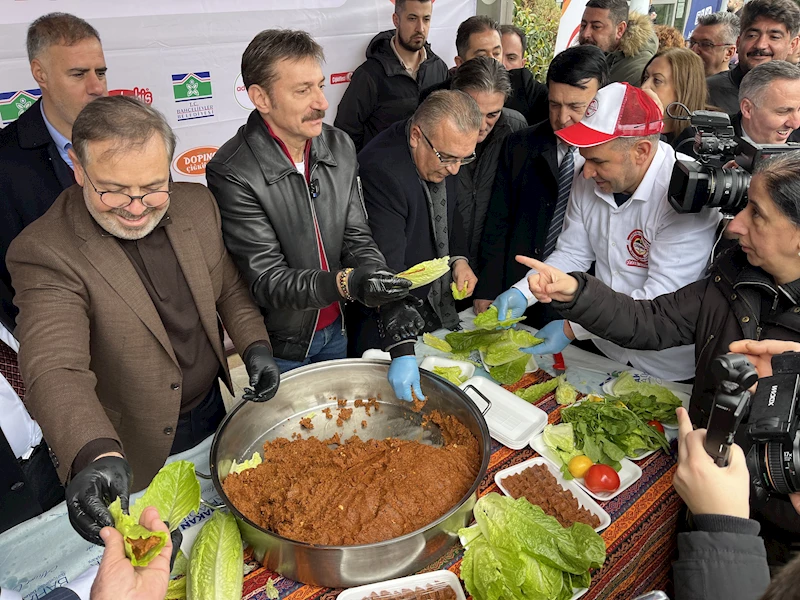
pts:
[314, 115]
[758, 52]
[121, 212]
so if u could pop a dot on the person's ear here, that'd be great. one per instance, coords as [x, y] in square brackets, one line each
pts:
[459, 61]
[622, 26]
[396, 20]
[414, 137]
[793, 44]
[77, 167]
[260, 99]
[39, 73]
[641, 151]
[746, 106]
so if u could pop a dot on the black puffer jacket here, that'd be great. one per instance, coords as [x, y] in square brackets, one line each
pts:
[381, 92]
[268, 225]
[474, 180]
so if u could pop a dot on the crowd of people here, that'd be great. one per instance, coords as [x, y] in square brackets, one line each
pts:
[550, 200]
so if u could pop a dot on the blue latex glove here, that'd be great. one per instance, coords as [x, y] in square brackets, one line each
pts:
[555, 340]
[404, 376]
[512, 300]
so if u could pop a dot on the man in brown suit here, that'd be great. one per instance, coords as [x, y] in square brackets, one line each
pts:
[121, 287]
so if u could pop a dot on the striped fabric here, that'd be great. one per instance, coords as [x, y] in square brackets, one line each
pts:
[565, 174]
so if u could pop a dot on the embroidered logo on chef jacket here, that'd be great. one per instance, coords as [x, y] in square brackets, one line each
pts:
[639, 249]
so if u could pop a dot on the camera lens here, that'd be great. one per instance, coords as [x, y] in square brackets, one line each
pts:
[728, 189]
[776, 466]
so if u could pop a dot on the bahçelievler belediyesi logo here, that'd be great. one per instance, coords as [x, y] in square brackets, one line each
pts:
[13, 104]
[193, 96]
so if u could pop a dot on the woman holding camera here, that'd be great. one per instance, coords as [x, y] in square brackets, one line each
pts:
[752, 292]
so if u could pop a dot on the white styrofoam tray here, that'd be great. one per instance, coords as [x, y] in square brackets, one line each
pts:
[429, 362]
[405, 583]
[581, 496]
[629, 474]
[511, 420]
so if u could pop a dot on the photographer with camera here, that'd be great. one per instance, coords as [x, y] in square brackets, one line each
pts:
[753, 292]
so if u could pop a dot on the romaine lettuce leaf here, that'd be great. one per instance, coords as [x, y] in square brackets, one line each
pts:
[510, 372]
[537, 391]
[216, 566]
[141, 544]
[174, 492]
[566, 392]
[251, 463]
[426, 272]
[462, 341]
[435, 342]
[176, 590]
[561, 440]
[452, 374]
[488, 319]
[503, 351]
[457, 293]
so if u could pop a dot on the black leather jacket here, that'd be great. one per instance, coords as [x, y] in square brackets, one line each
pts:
[268, 218]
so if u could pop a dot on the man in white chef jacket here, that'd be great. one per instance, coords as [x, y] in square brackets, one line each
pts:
[618, 216]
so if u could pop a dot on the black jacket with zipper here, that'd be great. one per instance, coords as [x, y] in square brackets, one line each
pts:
[474, 180]
[381, 92]
[268, 216]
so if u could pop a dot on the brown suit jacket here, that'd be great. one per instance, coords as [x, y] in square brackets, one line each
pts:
[94, 354]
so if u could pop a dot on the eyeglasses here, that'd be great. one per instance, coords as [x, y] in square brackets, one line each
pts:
[448, 161]
[121, 200]
[705, 44]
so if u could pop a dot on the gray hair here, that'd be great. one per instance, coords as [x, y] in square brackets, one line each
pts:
[57, 29]
[781, 176]
[757, 80]
[625, 143]
[455, 105]
[728, 20]
[482, 74]
[268, 48]
[128, 121]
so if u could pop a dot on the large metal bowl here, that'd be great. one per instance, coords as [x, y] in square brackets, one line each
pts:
[308, 390]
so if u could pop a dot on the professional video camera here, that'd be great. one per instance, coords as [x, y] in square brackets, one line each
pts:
[772, 421]
[704, 183]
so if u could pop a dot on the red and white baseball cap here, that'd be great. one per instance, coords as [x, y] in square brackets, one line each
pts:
[618, 110]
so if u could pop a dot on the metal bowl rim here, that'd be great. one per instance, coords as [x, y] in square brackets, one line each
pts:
[423, 373]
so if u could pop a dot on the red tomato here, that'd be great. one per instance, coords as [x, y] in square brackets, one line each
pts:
[601, 478]
[656, 425]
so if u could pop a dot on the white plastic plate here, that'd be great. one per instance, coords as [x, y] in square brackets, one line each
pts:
[530, 366]
[405, 583]
[429, 362]
[642, 456]
[511, 420]
[629, 474]
[582, 497]
[608, 388]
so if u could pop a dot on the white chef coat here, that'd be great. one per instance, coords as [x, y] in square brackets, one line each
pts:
[21, 431]
[643, 248]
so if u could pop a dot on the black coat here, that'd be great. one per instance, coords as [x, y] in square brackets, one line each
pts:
[381, 92]
[32, 175]
[528, 96]
[522, 205]
[399, 217]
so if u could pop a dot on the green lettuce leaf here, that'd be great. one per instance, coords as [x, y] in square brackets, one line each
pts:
[174, 491]
[216, 565]
[501, 352]
[522, 338]
[141, 544]
[466, 355]
[271, 590]
[465, 341]
[650, 401]
[488, 319]
[457, 293]
[435, 342]
[537, 391]
[251, 463]
[176, 590]
[561, 440]
[452, 374]
[426, 272]
[566, 392]
[510, 372]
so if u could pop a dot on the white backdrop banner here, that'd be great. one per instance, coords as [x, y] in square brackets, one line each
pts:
[570, 24]
[184, 56]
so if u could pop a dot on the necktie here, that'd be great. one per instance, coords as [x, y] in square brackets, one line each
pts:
[565, 174]
[9, 368]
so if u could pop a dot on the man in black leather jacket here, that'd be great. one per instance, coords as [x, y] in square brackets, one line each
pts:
[292, 213]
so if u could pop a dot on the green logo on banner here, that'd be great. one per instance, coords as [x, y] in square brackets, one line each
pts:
[13, 104]
[191, 86]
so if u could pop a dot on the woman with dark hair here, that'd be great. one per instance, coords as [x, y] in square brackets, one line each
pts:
[677, 75]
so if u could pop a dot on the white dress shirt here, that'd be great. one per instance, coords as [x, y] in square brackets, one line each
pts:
[21, 431]
[642, 248]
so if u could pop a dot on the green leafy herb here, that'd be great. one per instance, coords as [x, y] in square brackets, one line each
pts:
[452, 374]
[537, 391]
[561, 440]
[216, 565]
[435, 342]
[510, 372]
[488, 319]
[566, 392]
[457, 293]
[651, 408]
[141, 544]
[251, 463]
[426, 272]
[517, 552]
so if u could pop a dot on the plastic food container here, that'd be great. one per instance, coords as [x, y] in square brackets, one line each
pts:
[581, 496]
[629, 474]
[511, 420]
[429, 362]
[434, 580]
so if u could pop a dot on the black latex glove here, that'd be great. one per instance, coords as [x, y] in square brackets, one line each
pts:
[177, 539]
[400, 321]
[265, 376]
[376, 288]
[92, 490]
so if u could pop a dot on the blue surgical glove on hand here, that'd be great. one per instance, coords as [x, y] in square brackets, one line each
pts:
[512, 300]
[555, 340]
[404, 376]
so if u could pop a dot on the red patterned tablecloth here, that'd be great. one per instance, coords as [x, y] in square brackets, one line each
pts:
[641, 540]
